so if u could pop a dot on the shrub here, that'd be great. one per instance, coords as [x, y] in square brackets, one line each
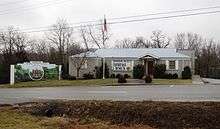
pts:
[118, 75]
[71, 78]
[159, 71]
[127, 76]
[148, 79]
[175, 76]
[186, 73]
[112, 76]
[138, 71]
[99, 71]
[88, 76]
[169, 76]
[122, 79]
[65, 76]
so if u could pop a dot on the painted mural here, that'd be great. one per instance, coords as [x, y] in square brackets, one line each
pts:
[36, 70]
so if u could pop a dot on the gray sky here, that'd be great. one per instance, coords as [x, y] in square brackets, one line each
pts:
[86, 10]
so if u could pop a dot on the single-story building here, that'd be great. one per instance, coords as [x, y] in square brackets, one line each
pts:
[122, 60]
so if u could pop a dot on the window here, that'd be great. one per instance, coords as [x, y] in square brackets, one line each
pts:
[172, 65]
[84, 65]
[122, 65]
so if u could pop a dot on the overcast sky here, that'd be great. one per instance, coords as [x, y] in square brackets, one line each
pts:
[86, 10]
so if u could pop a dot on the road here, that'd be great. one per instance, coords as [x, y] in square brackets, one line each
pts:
[120, 93]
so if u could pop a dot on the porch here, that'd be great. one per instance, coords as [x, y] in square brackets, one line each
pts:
[149, 62]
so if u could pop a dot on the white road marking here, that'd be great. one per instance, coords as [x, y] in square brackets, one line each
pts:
[107, 92]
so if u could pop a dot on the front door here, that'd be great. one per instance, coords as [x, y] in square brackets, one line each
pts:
[150, 68]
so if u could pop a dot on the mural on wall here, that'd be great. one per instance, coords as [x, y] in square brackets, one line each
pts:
[36, 70]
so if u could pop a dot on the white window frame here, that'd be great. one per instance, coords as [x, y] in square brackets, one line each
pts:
[168, 64]
[85, 65]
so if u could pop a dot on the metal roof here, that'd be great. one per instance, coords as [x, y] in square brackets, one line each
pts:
[135, 53]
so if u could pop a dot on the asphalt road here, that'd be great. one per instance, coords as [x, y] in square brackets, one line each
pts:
[120, 93]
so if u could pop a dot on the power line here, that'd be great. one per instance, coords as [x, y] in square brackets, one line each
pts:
[136, 16]
[134, 20]
[166, 17]
[14, 2]
[168, 12]
[43, 4]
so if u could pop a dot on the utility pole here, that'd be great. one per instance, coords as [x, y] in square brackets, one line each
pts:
[103, 68]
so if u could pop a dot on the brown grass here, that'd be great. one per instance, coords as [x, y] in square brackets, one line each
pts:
[167, 115]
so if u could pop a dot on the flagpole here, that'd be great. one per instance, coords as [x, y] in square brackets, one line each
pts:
[105, 31]
[103, 64]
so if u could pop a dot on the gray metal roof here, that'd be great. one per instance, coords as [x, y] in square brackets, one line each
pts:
[135, 53]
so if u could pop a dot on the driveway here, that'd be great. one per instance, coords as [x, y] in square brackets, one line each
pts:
[120, 93]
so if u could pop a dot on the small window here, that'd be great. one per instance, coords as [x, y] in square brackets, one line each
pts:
[84, 65]
[172, 65]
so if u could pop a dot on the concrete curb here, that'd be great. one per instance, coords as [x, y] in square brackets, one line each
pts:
[144, 84]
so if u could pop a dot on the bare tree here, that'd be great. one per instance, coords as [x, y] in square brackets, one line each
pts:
[80, 60]
[160, 40]
[61, 35]
[98, 35]
[13, 44]
[180, 41]
[189, 41]
[13, 49]
[125, 43]
[140, 42]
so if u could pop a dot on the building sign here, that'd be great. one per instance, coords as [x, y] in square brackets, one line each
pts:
[122, 65]
[35, 70]
[37, 73]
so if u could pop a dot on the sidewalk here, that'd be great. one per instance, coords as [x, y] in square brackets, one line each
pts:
[211, 81]
[196, 79]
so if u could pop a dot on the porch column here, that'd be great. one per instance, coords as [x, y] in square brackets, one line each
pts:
[146, 67]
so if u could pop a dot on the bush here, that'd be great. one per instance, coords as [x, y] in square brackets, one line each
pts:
[175, 76]
[159, 71]
[118, 75]
[148, 79]
[112, 76]
[65, 76]
[138, 71]
[127, 76]
[99, 71]
[122, 79]
[186, 73]
[71, 78]
[88, 76]
[169, 76]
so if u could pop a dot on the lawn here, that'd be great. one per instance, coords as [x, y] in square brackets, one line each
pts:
[14, 119]
[94, 82]
[59, 83]
[172, 81]
[112, 115]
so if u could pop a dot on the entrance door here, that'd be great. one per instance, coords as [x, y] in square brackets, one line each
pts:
[150, 67]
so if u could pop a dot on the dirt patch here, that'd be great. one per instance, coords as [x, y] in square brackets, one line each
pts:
[168, 115]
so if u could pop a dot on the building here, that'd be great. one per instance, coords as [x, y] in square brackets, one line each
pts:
[122, 60]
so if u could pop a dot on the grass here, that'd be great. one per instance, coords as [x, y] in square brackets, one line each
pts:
[15, 119]
[12, 119]
[172, 81]
[166, 115]
[94, 82]
[59, 83]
